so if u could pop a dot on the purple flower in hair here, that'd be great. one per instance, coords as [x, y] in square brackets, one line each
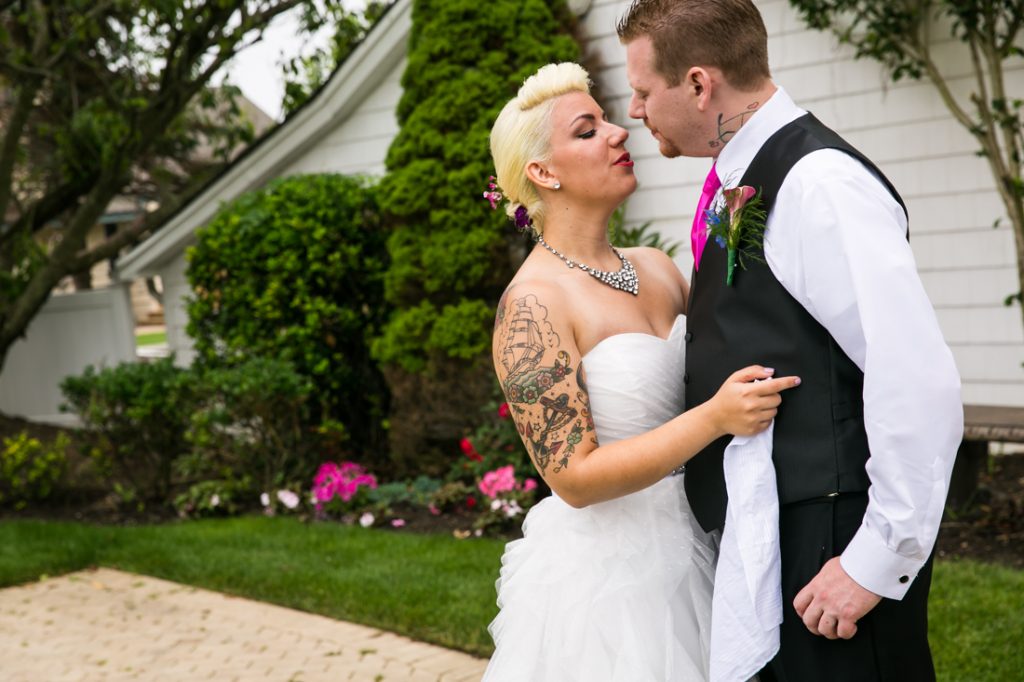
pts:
[522, 218]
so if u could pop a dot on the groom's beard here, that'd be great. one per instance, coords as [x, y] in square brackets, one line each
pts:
[665, 147]
[668, 150]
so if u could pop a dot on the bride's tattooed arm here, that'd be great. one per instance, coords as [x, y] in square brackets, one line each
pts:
[543, 382]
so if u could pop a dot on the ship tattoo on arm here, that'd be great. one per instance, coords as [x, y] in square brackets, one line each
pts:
[537, 374]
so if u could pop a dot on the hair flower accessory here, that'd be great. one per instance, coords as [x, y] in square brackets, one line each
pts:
[738, 225]
[522, 219]
[494, 197]
[492, 194]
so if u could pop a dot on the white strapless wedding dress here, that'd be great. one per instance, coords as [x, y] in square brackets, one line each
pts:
[619, 591]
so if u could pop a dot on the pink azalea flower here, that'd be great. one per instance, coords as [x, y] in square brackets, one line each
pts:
[340, 480]
[397, 523]
[528, 485]
[504, 411]
[498, 481]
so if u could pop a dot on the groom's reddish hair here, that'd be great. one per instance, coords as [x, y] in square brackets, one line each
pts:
[726, 34]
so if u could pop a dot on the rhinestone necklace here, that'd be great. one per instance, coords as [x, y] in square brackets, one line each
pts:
[625, 279]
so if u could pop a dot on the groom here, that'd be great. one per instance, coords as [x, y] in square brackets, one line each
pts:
[864, 449]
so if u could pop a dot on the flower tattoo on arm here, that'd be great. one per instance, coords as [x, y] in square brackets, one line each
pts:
[536, 374]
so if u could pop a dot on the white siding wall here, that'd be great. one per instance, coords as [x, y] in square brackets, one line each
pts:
[176, 290]
[360, 142]
[968, 267]
[71, 331]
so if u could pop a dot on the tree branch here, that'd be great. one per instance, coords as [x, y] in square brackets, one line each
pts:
[49, 206]
[954, 107]
[1008, 125]
[10, 147]
[982, 99]
[234, 38]
[86, 215]
[144, 224]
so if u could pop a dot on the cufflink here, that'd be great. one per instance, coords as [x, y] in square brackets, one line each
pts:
[904, 579]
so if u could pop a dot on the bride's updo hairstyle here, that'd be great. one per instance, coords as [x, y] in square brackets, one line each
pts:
[522, 133]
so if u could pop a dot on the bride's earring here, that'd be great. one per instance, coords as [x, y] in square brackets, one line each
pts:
[558, 185]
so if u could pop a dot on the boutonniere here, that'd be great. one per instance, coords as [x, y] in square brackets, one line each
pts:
[737, 224]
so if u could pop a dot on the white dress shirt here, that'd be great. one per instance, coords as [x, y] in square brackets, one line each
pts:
[836, 241]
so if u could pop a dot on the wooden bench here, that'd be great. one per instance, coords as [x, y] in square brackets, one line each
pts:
[983, 424]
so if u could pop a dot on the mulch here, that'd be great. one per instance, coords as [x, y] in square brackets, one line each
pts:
[990, 529]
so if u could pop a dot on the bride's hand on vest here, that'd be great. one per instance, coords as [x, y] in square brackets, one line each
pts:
[749, 399]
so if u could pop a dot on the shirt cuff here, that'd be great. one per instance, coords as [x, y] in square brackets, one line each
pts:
[875, 567]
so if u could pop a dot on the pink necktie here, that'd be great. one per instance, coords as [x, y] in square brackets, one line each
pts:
[699, 233]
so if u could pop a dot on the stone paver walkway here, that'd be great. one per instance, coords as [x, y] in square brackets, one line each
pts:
[113, 626]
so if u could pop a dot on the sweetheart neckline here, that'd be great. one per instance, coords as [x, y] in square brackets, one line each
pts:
[671, 333]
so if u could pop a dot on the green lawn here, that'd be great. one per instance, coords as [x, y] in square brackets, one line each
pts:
[150, 339]
[436, 588]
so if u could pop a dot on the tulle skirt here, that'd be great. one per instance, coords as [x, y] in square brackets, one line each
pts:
[618, 592]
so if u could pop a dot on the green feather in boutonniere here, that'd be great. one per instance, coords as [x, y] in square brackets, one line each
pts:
[738, 226]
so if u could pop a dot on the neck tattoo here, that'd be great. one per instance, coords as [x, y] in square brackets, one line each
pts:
[728, 127]
[623, 279]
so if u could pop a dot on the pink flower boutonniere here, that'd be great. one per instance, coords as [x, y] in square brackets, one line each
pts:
[738, 226]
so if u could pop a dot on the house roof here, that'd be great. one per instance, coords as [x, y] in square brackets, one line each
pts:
[382, 49]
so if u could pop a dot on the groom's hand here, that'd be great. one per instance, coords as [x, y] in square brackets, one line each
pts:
[832, 603]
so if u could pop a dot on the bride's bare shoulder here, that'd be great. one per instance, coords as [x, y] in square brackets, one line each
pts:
[651, 257]
[530, 290]
[657, 262]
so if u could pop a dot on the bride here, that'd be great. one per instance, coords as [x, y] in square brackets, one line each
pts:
[613, 577]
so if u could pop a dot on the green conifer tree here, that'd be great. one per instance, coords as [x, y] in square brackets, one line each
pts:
[451, 256]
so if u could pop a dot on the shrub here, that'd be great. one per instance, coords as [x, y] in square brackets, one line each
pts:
[495, 443]
[419, 492]
[154, 428]
[29, 469]
[295, 272]
[211, 498]
[451, 256]
[506, 500]
[454, 495]
[251, 424]
[135, 416]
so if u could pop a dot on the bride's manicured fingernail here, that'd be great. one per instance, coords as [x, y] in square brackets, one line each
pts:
[769, 370]
[796, 382]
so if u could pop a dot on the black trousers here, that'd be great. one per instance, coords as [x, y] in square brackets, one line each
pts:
[892, 639]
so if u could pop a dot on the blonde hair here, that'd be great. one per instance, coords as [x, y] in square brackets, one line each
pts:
[522, 133]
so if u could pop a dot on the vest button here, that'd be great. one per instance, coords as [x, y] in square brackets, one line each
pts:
[688, 336]
[686, 378]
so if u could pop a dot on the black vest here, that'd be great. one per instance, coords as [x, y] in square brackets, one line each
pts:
[820, 445]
